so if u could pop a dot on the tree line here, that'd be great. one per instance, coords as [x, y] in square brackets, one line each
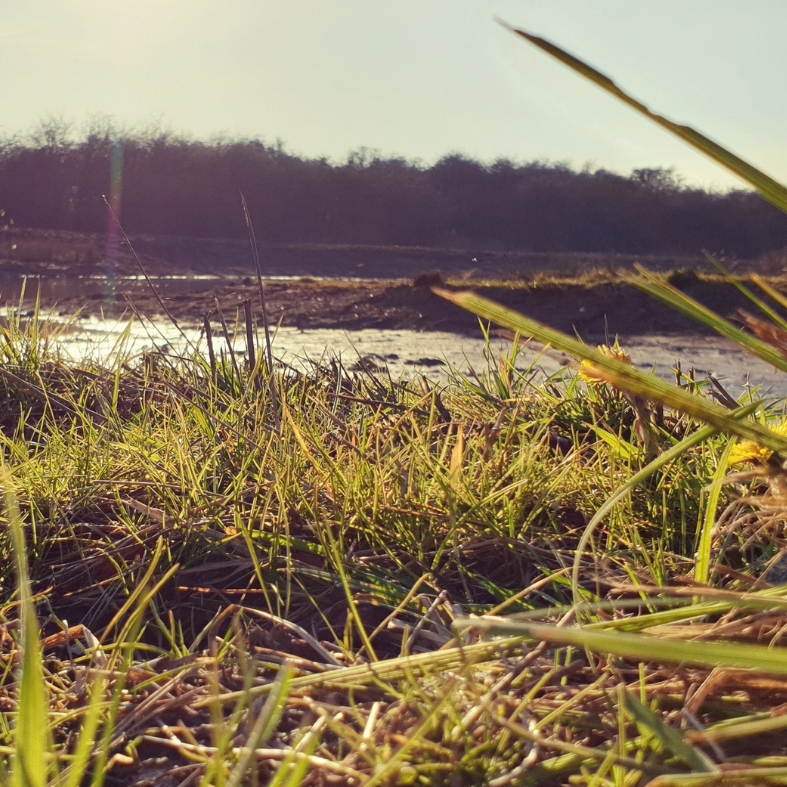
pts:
[179, 186]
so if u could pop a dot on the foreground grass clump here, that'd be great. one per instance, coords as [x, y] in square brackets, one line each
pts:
[233, 592]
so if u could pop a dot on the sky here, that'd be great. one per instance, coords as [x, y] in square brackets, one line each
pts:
[413, 78]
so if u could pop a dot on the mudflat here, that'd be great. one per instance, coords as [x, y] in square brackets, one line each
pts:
[352, 288]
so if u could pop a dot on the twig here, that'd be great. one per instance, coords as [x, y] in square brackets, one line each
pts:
[211, 354]
[145, 273]
[227, 339]
[251, 353]
[265, 322]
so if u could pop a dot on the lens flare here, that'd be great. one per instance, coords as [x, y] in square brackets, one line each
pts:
[113, 227]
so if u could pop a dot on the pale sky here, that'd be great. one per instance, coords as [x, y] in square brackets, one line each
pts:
[415, 78]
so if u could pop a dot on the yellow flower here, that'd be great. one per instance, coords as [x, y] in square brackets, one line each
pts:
[616, 352]
[589, 372]
[749, 451]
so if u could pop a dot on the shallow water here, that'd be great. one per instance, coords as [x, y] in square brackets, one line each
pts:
[432, 354]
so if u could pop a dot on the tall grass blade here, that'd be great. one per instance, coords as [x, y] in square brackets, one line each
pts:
[771, 189]
[619, 374]
[265, 320]
[150, 284]
[31, 737]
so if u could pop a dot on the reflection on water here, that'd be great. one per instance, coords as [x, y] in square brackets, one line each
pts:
[432, 354]
[97, 289]
[401, 352]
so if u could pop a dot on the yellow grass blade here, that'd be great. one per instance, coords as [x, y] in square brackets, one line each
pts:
[769, 290]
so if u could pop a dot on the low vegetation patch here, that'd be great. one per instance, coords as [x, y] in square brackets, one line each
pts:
[222, 572]
[235, 590]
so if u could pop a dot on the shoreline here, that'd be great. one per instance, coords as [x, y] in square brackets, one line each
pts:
[316, 287]
[594, 310]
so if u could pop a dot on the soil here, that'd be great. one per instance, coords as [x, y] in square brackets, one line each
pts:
[324, 289]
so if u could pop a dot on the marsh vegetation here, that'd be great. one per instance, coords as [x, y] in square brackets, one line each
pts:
[222, 570]
[228, 591]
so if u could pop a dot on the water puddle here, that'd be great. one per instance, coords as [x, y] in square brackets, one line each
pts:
[432, 354]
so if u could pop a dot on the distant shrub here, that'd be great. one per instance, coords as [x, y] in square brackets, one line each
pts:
[173, 185]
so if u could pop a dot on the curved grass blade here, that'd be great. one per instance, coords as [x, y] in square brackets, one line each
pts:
[674, 298]
[619, 374]
[769, 188]
[703, 552]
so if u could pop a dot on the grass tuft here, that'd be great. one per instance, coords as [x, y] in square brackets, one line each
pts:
[225, 601]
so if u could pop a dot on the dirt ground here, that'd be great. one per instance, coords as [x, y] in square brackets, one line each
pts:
[342, 287]
[592, 311]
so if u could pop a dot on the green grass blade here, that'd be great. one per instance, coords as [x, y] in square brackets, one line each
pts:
[702, 561]
[294, 767]
[31, 738]
[87, 735]
[670, 738]
[642, 647]
[769, 188]
[620, 374]
[673, 297]
[745, 777]
[264, 725]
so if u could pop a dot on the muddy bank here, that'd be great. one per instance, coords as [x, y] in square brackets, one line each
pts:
[48, 252]
[591, 310]
[352, 288]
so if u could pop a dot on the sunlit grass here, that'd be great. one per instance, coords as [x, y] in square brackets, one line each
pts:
[225, 575]
[182, 550]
